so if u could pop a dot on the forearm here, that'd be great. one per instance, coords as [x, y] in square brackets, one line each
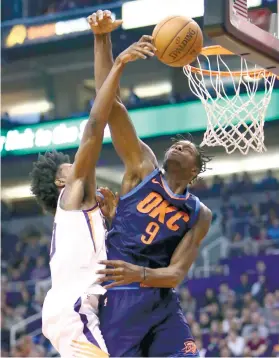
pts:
[103, 58]
[106, 95]
[166, 277]
[121, 128]
[91, 143]
[172, 275]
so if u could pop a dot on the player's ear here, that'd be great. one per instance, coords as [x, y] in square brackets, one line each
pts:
[195, 172]
[60, 182]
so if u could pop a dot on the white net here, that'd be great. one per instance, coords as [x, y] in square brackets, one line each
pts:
[235, 111]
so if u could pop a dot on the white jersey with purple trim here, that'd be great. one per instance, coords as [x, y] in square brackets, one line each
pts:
[70, 310]
[78, 243]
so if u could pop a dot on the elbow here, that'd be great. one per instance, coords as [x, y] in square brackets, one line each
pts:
[96, 118]
[176, 278]
[118, 101]
[118, 105]
[180, 276]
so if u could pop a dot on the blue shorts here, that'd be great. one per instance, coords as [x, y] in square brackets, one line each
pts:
[145, 322]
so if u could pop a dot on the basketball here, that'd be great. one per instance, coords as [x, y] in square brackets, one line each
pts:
[178, 40]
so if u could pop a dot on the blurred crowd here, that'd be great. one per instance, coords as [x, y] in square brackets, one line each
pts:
[25, 258]
[239, 322]
[237, 184]
[66, 5]
[12, 9]
[231, 321]
[250, 214]
[24, 267]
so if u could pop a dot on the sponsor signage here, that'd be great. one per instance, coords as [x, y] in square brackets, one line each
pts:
[149, 122]
[23, 34]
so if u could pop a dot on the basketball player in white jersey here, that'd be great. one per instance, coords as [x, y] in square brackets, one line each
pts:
[70, 309]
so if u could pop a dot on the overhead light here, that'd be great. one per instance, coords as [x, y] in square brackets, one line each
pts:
[254, 3]
[153, 90]
[16, 192]
[42, 106]
[157, 11]
[69, 26]
[252, 163]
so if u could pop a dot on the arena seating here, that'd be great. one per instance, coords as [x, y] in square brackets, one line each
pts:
[12, 9]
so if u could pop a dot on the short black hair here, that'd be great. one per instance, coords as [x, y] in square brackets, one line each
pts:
[202, 158]
[43, 177]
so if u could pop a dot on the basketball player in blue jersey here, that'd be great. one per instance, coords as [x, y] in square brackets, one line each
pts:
[157, 230]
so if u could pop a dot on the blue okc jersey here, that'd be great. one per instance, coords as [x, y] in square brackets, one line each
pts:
[150, 222]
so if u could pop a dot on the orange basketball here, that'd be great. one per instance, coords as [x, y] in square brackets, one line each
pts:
[178, 39]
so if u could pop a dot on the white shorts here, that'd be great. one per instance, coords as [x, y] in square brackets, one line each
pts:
[74, 331]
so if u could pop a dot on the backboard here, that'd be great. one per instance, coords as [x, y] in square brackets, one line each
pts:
[252, 35]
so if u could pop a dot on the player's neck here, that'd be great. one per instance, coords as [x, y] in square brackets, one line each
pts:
[176, 184]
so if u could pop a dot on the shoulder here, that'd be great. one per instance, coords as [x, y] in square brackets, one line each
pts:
[200, 212]
[202, 225]
[204, 219]
[205, 213]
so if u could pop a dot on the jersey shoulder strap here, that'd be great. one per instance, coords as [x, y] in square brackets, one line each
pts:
[193, 204]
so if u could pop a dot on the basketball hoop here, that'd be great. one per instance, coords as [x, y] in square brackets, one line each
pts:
[234, 121]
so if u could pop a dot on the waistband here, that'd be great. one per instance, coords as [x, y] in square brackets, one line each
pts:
[133, 286]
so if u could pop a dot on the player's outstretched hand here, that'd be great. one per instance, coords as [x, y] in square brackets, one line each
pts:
[138, 50]
[101, 22]
[120, 272]
[107, 202]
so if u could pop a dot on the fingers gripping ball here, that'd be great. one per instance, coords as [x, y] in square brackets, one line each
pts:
[178, 40]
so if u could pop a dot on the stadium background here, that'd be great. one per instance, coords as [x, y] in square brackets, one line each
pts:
[231, 295]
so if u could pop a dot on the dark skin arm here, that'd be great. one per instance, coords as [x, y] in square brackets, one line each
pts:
[81, 182]
[138, 158]
[124, 273]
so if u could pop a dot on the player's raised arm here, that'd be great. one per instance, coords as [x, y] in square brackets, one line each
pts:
[90, 147]
[123, 273]
[102, 25]
[138, 158]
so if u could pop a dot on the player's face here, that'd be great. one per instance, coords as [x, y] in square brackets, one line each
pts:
[184, 154]
[62, 174]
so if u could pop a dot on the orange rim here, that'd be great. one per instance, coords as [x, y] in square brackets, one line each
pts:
[218, 51]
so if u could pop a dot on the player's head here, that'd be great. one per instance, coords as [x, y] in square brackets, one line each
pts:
[48, 177]
[185, 159]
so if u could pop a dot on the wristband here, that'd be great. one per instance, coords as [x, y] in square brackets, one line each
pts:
[144, 273]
